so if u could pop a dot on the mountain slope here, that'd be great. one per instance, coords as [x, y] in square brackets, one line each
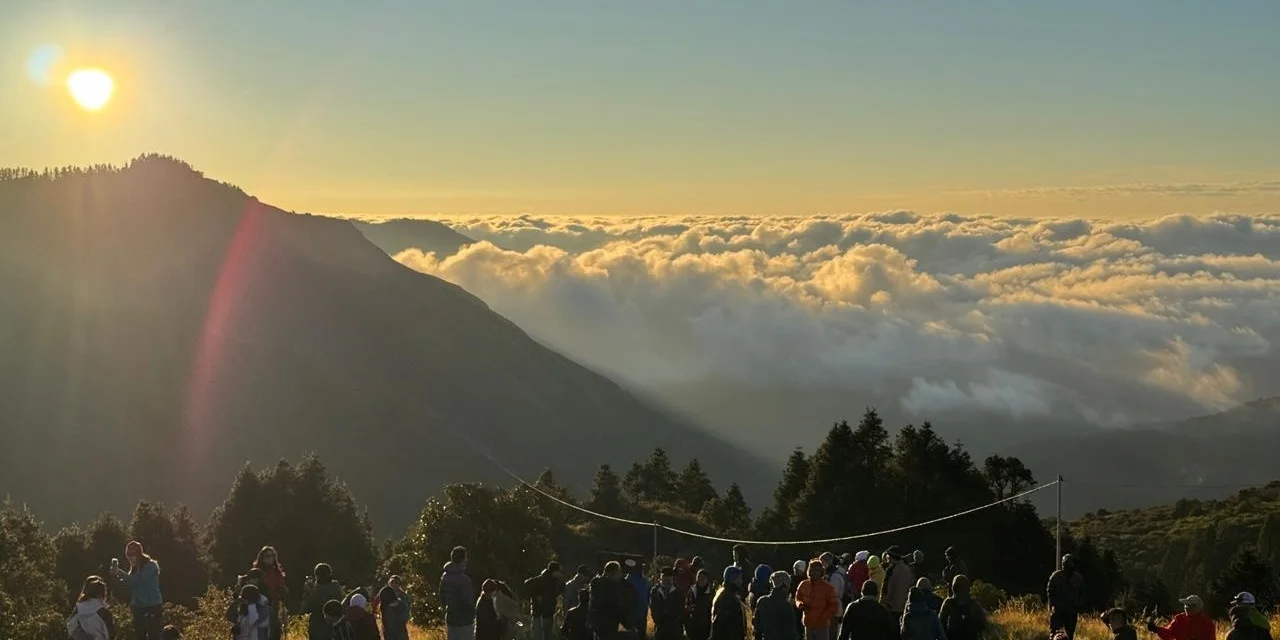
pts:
[1204, 458]
[159, 328]
[1186, 544]
[429, 236]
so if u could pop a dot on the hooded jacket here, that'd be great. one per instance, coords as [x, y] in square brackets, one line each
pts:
[640, 612]
[819, 601]
[458, 595]
[395, 608]
[697, 622]
[684, 577]
[919, 621]
[760, 585]
[93, 620]
[875, 573]
[775, 617]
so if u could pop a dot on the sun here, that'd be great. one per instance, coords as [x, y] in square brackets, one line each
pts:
[90, 88]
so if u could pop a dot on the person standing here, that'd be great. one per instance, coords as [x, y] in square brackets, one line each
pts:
[639, 620]
[697, 608]
[273, 587]
[394, 604]
[898, 582]
[319, 589]
[859, 573]
[955, 567]
[867, 619]
[728, 612]
[838, 580]
[544, 600]
[761, 585]
[775, 613]
[919, 621]
[145, 599]
[457, 594]
[610, 604]
[666, 606]
[573, 587]
[1065, 594]
[817, 599]
[962, 617]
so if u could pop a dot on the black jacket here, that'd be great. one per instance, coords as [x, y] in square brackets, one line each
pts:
[775, 617]
[489, 626]
[611, 602]
[964, 619]
[697, 611]
[728, 616]
[575, 625]
[544, 594]
[666, 609]
[867, 619]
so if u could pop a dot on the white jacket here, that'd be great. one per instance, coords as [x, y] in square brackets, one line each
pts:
[255, 621]
[86, 619]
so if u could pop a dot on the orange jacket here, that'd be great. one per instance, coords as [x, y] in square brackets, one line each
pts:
[820, 603]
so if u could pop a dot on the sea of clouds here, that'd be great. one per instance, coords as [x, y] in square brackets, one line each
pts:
[1022, 317]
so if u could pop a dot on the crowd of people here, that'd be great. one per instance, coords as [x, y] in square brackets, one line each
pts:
[255, 610]
[861, 596]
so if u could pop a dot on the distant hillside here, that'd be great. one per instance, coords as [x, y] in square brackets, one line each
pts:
[1188, 543]
[1205, 458]
[158, 329]
[429, 236]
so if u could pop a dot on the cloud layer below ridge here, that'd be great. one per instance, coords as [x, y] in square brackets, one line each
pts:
[1109, 321]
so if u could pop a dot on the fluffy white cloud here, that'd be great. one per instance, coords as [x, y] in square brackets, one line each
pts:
[1109, 320]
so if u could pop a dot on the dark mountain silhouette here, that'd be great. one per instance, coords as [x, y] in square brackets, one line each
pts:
[158, 329]
[429, 236]
[1203, 458]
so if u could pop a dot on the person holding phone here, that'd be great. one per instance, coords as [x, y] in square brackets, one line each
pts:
[145, 599]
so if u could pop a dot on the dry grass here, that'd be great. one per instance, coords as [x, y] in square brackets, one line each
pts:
[1015, 623]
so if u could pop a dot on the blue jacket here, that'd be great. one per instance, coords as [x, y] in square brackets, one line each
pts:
[640, 615]
[458, 595]
[144, 586]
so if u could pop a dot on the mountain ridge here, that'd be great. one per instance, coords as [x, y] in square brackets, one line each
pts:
[164, 328]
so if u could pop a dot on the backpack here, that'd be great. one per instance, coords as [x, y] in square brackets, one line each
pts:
[917, 627]
[968, 620]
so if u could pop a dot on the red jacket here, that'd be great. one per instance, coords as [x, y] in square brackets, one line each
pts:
[858, 575]
[1196, 626]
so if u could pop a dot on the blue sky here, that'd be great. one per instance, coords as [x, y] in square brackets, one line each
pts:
[571, 106]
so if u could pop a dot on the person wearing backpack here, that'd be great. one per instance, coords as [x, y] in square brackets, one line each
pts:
[919, 621]
[962, 617]
[92, 619]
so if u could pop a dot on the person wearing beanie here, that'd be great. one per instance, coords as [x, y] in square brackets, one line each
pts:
[544, 600]
[761, 585]
[858, 573]
[697, 607]
[867, 619]
[318, 590]
[363, 625]
[875, 573]
[394, 604]
[728, 613]
[818, 600]
[774, 617]
[1192, 624]
[145, 599]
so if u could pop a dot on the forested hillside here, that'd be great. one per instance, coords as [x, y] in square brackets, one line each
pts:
[1186, 545]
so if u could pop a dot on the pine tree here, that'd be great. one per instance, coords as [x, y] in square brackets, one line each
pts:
[606, 493]
[775, 521]
[730, 513]
[830, 485]
[693, 487]
[652, 481]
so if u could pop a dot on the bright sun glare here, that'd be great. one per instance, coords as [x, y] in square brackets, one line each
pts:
[90, 88]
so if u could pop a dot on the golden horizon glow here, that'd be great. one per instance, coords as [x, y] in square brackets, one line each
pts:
[90, 88]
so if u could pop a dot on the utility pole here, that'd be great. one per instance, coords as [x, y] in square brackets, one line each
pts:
[1057, 561]
[654, 566]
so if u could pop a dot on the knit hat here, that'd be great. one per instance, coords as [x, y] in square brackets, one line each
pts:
[799, 566]
[732, 574]
[873, 562]
[359, 601]
[862, 556]
[780, 579]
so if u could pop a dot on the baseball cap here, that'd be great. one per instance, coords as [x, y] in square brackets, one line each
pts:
[1193, 601]
[1245, 598]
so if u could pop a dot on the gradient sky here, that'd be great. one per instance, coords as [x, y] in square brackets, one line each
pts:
[1087, 107]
